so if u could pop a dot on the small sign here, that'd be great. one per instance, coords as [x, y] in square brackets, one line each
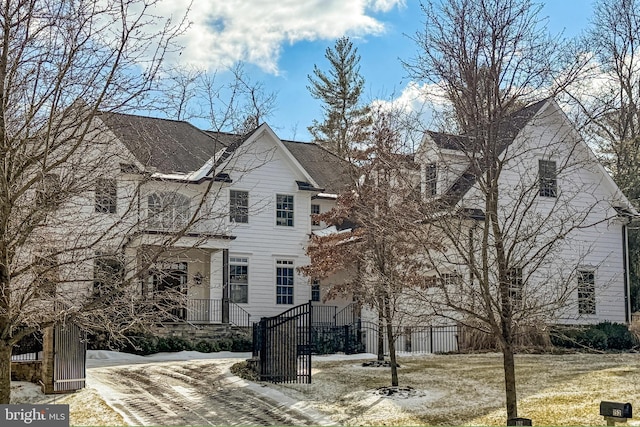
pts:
[34, 415]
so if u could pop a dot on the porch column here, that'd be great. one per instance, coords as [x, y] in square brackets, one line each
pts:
[225, 286]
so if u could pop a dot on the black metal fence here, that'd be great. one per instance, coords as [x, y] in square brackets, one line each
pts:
[283, 346]
[210, 311]
[412, 339]
[29, 348]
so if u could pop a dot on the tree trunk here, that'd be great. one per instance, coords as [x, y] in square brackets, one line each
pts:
[380, 335]
[510, 380]
[5, 372]
[392, 354]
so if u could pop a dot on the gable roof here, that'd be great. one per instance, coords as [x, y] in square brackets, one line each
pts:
[166, 145]
[508, 130]
[174, 146]
[327, 170]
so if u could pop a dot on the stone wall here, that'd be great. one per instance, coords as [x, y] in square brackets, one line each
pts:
[209, 333]
[30, 371]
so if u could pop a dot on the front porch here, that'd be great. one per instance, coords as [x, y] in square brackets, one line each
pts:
[201, 311]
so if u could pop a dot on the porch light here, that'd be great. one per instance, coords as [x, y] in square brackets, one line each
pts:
[197, 278]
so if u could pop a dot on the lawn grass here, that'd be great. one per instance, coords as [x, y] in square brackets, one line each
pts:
[469, 389]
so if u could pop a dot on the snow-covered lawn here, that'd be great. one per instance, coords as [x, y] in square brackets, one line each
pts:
[468, 389]
[440, 389]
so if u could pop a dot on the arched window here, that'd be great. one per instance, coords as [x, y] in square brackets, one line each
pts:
[168, 211]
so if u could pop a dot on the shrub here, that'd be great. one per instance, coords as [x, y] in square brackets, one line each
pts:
[245, 370]
[618, 336]
[242, 343]
[603, 336]
[204, 347]
[593, 338]
[225, 344]
[173, 344]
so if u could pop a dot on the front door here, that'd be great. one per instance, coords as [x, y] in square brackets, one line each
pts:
[170, 287]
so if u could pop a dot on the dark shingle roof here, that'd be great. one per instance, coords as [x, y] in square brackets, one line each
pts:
[166, 145]
[328, 170]
[177, 146]
[507, 132]
[508, 129]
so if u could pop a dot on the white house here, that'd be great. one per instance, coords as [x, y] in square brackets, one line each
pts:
[563, 218]
[242, 206]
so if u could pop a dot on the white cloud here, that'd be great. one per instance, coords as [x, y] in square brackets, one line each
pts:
[416, 99]
[385, 5]
[254, 31]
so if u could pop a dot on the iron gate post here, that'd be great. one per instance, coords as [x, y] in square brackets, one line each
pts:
[225, 286]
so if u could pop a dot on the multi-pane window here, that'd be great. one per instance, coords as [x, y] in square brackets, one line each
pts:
[106, 195]
[284, 210]
[168, 211]
[450, 279]
[431, 179]
[48, 193]
[315, 290]
[47, 274]
[239, 206]
[315, 210]
[586, 292]
[108, 272]
[547, 178]
[239, 279]
[284, 282]
[514, 279]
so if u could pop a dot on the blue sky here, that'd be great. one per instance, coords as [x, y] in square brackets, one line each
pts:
[281, 41]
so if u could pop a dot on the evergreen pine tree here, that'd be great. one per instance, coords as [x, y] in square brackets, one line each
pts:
[340, 90]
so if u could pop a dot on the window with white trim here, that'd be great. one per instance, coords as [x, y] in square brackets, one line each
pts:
[106, 195]
[315, 290]
[284, 210]
[284, 281]
[239, 206]
[586, 291]
[450, 279]
[315, 210]
[47, 274]
[431, 179]
[514, 279]
[49, 190]
[547, 178]
[168, 210]
[239, 280]
[108, 273]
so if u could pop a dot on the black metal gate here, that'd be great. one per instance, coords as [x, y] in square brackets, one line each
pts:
[69, 362]
[283, 346]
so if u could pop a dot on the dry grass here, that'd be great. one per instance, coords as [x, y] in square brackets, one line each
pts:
[468, 389]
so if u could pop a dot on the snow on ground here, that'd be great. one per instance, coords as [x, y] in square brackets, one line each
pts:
[104, 358]
[473, 384]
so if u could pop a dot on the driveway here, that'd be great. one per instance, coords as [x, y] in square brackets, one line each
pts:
[197, 392]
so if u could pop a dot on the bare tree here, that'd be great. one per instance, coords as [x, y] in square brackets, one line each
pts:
[372, 252]
[492, 58]
[71, 220]
[221, 101]
[608, 101]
